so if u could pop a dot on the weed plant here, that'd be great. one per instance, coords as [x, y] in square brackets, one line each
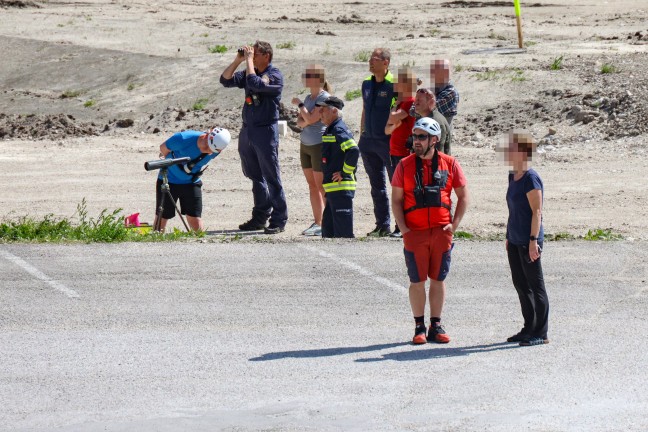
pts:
[352, 94]
[108, 227]
[287, 45]
[200, 104]
[602, 235]
[362, 56]
[557, 63]
[217, 49]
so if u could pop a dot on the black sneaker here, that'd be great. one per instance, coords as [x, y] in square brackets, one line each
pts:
[521, 336]
[535, 340]
[379, 232]
[251, 225]
[397, 233]
[273, 229]
[437, 334]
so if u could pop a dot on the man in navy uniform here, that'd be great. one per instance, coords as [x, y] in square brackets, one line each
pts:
[378, 99]
[259, 137]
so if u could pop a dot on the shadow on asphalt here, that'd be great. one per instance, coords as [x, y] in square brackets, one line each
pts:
[425, 354]
[416, 354]
[325, 352]
[235, 232]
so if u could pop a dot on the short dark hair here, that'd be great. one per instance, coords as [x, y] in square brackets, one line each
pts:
[384, 53]
[263, 48]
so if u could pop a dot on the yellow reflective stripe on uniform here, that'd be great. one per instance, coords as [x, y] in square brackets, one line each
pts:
[343, 185]
[348, 169]
[328, 138]
[389, 77]
[346, 145]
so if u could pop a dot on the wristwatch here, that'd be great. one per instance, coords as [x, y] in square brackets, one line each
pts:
[301, 105]
[533, 238]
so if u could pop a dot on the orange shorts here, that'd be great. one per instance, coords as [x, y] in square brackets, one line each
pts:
[428, 254]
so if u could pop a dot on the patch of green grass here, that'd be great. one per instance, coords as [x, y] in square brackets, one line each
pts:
[433, 32]
[217, 49]
[487, 75]
[458, 68]
[530, 43]
[287, 45]
[352, 94]
[559, 236]
[463, 235]
[609, 68]
[60, 25]
[204, 35]
[200, 104]
[89, 103]
[518, 76]
[107, 227]
[601, 235]
[362, 56]
[131, 86]
[70, 94]
[557, 63]
[493, 35]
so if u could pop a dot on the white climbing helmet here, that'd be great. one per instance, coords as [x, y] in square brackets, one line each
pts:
[428, 125]
[218, 139]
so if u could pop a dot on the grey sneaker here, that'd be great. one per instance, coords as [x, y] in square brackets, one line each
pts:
[313, 230]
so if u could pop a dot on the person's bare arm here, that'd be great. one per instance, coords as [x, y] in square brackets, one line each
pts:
[463, 199]
[535, 201]
[164, 150]
[398, 200]
[308, 117]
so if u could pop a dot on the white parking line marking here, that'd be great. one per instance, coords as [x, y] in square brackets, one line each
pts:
[38, 274]
[357, 268]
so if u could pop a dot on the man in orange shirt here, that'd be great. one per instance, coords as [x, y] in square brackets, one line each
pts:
[422, 206]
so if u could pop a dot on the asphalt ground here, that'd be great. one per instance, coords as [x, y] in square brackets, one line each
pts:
[314, 336]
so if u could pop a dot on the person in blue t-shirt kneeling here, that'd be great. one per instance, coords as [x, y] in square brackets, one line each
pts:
[185, 180]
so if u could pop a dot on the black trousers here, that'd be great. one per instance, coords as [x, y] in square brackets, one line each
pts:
[529, 284]
[337, 219]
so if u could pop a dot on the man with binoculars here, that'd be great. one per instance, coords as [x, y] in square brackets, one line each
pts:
[258, 141]
[421, 202]
[195, 149]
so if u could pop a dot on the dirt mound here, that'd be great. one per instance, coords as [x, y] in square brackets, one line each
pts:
[67, 126]
[17, 4]
[44, 126]
[615, 109]
[479, 4]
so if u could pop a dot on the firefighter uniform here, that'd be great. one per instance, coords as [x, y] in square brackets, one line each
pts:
[259, 142]
[339, 154]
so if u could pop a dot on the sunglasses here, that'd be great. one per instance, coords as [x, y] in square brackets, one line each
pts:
[420, 137]
[311, 75]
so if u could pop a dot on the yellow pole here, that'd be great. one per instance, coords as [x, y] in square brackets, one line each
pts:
[518, 18]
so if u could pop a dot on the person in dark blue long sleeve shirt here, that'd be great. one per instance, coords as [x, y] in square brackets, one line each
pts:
[259, 137]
